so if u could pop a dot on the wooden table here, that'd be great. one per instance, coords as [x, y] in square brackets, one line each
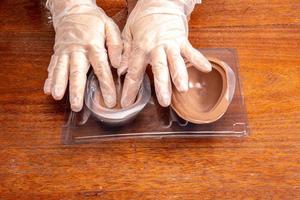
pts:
[265, 165]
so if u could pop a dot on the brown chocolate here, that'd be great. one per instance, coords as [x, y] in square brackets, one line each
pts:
[98, 98]
[208, 96]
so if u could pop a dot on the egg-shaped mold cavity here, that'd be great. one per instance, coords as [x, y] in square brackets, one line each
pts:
[116, 116]
[209, 94]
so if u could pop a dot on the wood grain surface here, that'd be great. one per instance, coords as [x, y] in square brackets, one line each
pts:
[265, 165]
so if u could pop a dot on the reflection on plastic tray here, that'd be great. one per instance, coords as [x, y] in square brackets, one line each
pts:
[158, 122]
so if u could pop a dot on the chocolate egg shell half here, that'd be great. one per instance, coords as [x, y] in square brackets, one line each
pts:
[116, 116]
[209, 94]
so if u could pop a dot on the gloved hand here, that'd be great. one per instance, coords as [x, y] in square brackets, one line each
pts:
[156, 33]
[83, 31]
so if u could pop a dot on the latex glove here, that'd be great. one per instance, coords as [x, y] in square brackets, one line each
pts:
[83, 31]
[156, 33]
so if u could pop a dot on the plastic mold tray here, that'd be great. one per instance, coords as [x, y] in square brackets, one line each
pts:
[157, 122]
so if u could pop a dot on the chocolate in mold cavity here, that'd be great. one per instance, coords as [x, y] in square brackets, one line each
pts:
[208, 96]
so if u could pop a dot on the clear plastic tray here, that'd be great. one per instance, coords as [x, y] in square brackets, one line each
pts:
[158, 122]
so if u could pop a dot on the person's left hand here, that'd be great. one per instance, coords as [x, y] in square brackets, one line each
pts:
[84, 35]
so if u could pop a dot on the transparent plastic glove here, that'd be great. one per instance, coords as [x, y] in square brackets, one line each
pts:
[156, 33]
[83, 31]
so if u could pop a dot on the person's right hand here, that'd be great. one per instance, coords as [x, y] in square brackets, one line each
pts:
[156, 33]
[83, 31]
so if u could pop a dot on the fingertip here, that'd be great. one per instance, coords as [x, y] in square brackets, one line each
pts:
[76, 104]
[164, 100]
[76, 108]
[126, 103]
[208, 66]
[47, 87]
[204, 66]
[183, 87]
[110, 101]
[196, 58]
[57, 92]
